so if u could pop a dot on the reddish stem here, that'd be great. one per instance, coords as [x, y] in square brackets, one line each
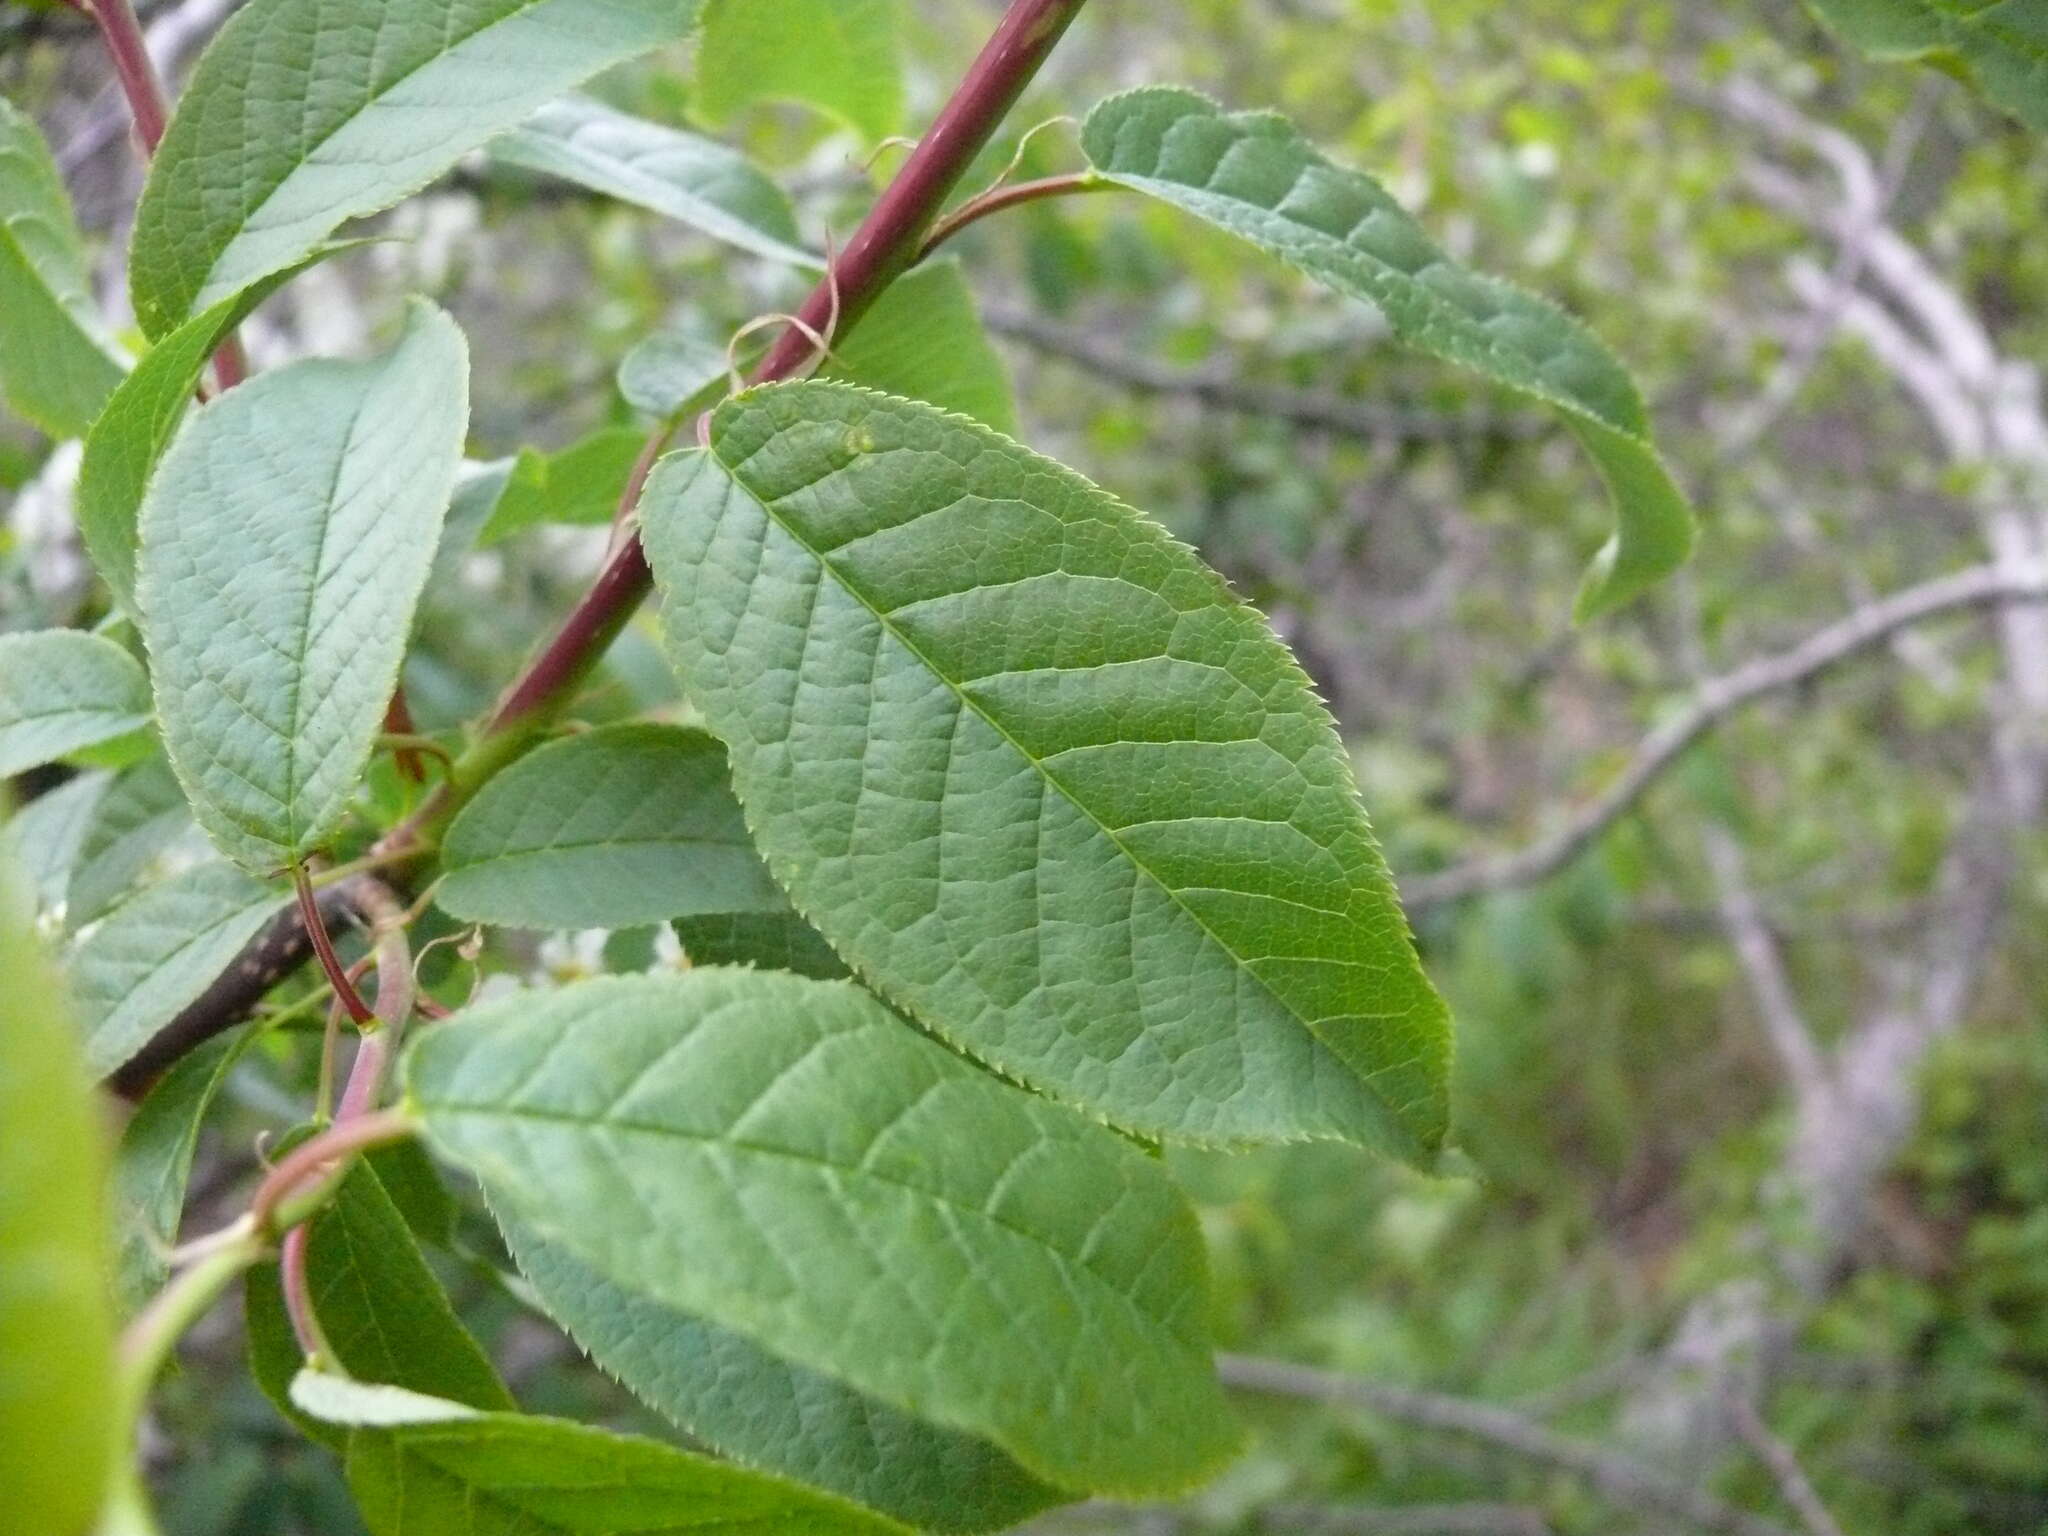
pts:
[888, 240]
[996, 199]
[313, 1159]
[316, 929]
[148, 106]
[398, 722]
[298, 1294]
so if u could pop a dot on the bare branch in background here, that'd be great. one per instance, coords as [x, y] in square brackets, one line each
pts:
[1622, 1480]
[1784, 1467]
[1713, 701]
[1220, 388]
[1407, 1520]
[1757, 948]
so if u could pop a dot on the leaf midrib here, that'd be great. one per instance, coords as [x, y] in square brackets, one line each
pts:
[968, 703]
[1066, 1262]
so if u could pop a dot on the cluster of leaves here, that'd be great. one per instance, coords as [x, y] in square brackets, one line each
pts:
[1001, 827]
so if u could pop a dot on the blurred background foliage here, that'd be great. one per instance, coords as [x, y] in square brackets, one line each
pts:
[1626, 1123]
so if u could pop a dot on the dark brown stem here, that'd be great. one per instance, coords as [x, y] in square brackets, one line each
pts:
[996, 199]
[323, 947]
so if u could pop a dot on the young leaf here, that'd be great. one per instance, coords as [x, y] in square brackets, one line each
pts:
[422, 1466]
[1252, 174]
[379, 1305]
[2001, 49]
[923, 340]
[42, 839]
[616, 827]
[61, 691]
[54, 368]
[839, 56]
[580, 484]
[668, 370]
[684, 176]
[774, 941]
[788, 1160]
[158, 950]
[122, 450]
[1039, 777]
[301, 115]
[57, 1405]
[154, 1162]
[142, 814]
[745, 1401]
[285, 540]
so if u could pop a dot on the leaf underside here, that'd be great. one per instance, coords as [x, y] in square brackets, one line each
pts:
[1254, 175]
[1038, 777]
[786, 1159]
[62, 691]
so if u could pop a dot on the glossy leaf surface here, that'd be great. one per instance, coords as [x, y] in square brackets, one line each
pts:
[1039, 777]
[1253, 174]
[785, 1158]
[285, 541]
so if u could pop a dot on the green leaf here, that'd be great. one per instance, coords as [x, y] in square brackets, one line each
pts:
[379, 1305]
[421, 1466]
[746, 1402]
[301, 116]
[158, 951]
[153, 1164]
[1039, 777]
[63, 690]
[285, 540]
[580, 484]
[612, 828]
[923, 340]
[683, 176]
[57, 1407]
[1252, 174]
[668, 370]
[774, 941]
[786, 1159]
[54, 368]
[42, 839]
[1999, 46]
[839, 56]
[142, 815]
[122, 450]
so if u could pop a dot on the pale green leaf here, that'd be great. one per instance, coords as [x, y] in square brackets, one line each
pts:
[54, 368]
[1999, 46]
[580, 484]
[839, 56]
[423, 1466]
[303, 114]
[153, 1164]
[683, 176]
[57, 1408]
[285, 539]
[42, 839]
[122, 450]
[668, 370]
[63, 690]
[748, 1403]
[788, 1160]
[141, 818]
[158, 951]
[1039, 777]
[775, 941]
[612, 828]
[923, 340]
[1253, 174]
